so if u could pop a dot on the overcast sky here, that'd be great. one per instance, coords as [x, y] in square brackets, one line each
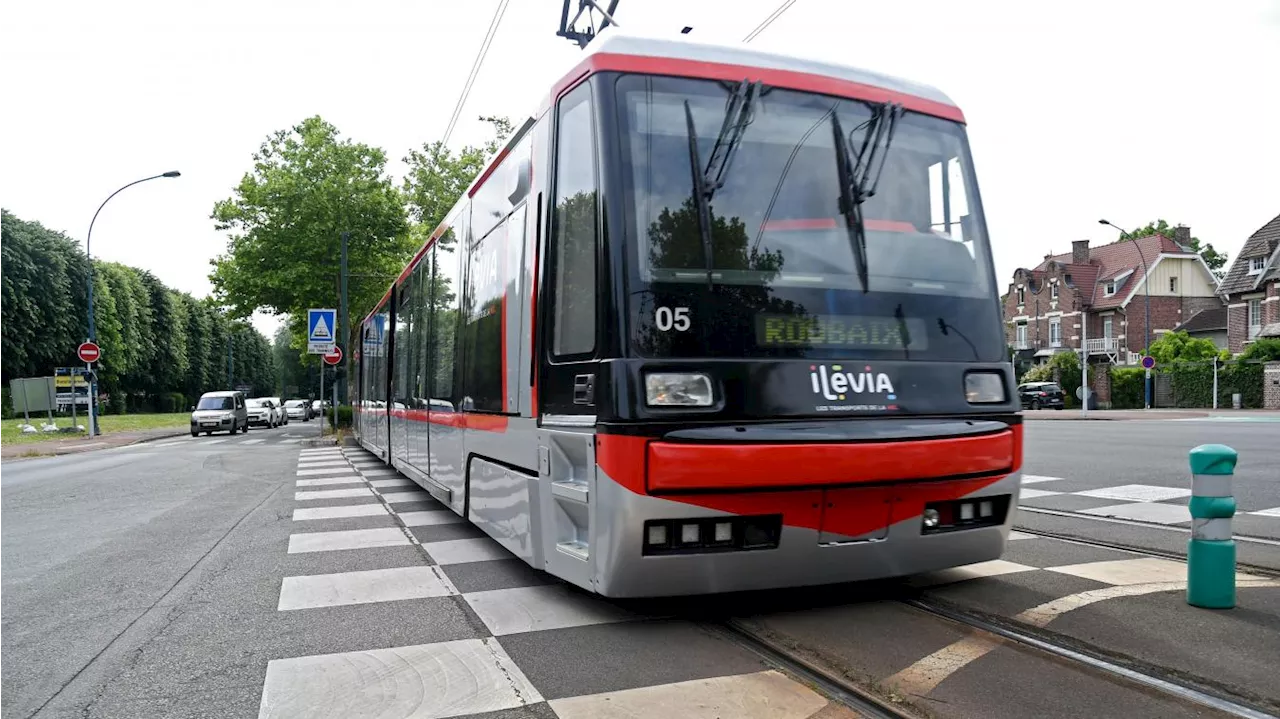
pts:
[1130, 110]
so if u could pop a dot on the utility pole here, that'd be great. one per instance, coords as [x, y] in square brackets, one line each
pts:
[344, 322]
[231, 336]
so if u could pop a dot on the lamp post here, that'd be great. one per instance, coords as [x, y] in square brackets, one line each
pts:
[1146, 284]
[93, 333]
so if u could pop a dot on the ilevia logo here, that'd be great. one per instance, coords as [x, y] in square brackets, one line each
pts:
[834, 384]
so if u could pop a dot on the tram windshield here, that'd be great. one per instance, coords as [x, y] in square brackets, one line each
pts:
[782, 279]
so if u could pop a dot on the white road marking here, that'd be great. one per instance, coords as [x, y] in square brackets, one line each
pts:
[1130, 523]
[535, 609]
[346, 539]
[427, 681]
[323, 481]
[424, 519]
[328, 470]
[1137, 493]
[1144, 512]
[1144, 570]
[251, 441]
[993, 568]
[1273, 512]
[1035, 478]
[215, 441]
[372, 473]
[1041, 615]
[461, 551]
[319, 453]
[1028, 493]
[390, 483]
[404, 497]
[304, 463]
[1016, 535]
[333, 494]
[923, 676]
[749, 696]
[367, 587]
[350, 510]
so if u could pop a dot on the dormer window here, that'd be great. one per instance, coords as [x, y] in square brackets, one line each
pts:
[1256, 264]
[1110, 289]
[1053, 291]
[1022, 296]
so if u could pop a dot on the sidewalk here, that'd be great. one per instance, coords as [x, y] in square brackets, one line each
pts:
[1128, 414]
[86, 444]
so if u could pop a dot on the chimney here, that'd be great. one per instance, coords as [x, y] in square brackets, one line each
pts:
[1182, 236]
[1080, 252]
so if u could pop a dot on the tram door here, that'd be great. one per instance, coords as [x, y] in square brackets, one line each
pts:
[401, 368]
[566, 384]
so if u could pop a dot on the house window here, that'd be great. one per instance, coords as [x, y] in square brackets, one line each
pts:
[1021, 335]
[1022, 296]
[1110, 289]
[1053, 291]
[1173, 285]
[1055, 333]
[1106, 330]
[1255, 317]
[1256, 264]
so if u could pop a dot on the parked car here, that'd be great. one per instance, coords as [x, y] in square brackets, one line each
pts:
[219, 412]
[298, 409]
[282, 412]
[261, 413]
[1037, 395]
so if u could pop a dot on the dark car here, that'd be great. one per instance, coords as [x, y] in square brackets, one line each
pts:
[1037, 395]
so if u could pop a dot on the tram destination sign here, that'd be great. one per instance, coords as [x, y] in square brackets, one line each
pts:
[841, 332]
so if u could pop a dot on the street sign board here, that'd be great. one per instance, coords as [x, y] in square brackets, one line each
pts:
[1149, 362]
[89, 352]
[333, 357]
[33, 394]
[72, 385]
[322, 330]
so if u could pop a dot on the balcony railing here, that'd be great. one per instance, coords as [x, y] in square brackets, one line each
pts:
[1022, 344]
[1102, 345]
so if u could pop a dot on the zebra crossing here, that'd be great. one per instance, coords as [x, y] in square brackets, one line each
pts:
[513, 654]
[275, 439]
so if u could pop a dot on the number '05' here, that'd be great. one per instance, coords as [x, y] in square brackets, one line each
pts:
[668, 319]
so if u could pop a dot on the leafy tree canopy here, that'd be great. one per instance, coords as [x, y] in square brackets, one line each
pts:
[285, 219]
[1175, 347]
[437, 177]
[1216, 261]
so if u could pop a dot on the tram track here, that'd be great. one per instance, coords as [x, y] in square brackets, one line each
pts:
[869, 699]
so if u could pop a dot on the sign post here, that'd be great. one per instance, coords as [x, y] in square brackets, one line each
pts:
[1148, 363]
[89, 352]
[331, 358]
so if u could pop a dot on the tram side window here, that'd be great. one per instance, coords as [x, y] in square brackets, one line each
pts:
[482, 323]
[574, 227]
[404, 346]
[445, 300]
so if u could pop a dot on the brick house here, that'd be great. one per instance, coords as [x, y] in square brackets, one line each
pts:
[1252, 289]
[1108, 287]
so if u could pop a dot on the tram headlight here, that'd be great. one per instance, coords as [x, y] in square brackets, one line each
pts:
[984, 387]
[668, 389]
[930, 518]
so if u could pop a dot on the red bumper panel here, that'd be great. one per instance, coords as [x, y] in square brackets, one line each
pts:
[685, 467]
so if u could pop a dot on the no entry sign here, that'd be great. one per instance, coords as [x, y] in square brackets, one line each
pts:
[89, 352]
[334, 356]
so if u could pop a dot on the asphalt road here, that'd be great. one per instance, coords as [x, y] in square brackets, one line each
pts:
[103, 551]
[1092, 456]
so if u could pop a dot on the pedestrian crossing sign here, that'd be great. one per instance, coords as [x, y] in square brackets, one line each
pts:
[321, 330]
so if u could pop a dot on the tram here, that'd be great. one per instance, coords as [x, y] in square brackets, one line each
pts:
[713, 320]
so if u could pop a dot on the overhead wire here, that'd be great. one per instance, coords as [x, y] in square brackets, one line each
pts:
[475, 67]
[768, 21]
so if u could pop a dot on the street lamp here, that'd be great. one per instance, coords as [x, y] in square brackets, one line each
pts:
[1146, 284]
[93, 334]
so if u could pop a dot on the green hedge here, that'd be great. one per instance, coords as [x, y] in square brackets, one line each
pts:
[1193, 384]
[1127, 391]
[172, 402]
[344, 416]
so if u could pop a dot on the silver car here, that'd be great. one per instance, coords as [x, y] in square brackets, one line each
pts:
[298, 409]
[219, 412]
[282, 414]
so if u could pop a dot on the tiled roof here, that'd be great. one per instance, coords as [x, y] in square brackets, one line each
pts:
[1205, 321]
[1109, 261]
[1262, 243]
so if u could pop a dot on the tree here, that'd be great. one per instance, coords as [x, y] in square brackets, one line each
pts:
[1216, 261]
[285, 219]
[1175, 347]
[437, 177]
[1264, 349]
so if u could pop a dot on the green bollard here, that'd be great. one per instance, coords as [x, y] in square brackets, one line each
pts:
[1211, 552]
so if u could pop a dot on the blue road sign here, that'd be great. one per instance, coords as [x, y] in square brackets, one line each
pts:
[1149, 362]
[322, 330]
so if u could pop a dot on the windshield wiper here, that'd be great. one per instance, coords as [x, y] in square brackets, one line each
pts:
[859, 175]
[706, 181]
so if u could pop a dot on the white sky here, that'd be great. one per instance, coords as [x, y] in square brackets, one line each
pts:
[1130, 110]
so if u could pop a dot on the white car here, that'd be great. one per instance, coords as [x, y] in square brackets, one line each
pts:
[261, 412]
[281, 412]
[298, 409]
